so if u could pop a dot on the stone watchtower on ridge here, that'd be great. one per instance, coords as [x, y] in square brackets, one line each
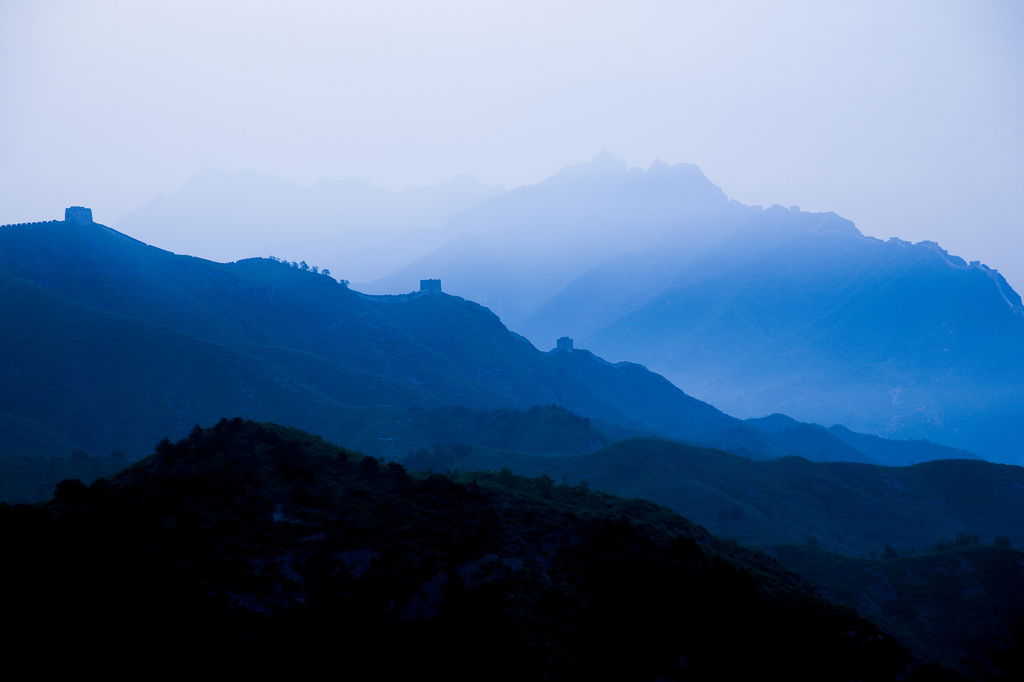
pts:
[564, 343]
[430, 286]
[78, 214]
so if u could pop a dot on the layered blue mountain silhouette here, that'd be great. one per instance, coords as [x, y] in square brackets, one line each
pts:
[110, 344]
[753, 310]
[113, 344]
[823, 323]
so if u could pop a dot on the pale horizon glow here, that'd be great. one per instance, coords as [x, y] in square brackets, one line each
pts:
[906, 118]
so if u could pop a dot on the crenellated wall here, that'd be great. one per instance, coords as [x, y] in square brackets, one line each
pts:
[393, 298]
[42, 222]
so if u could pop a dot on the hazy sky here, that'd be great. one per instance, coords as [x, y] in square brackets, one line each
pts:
[907, 118]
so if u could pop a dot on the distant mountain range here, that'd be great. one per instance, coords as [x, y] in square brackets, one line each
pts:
[515, 252]
[828, 325]
[753, 310]
[359, 231]
[112, 344]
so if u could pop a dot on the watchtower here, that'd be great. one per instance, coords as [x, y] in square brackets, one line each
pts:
[430, 286]
[78, 214]
[564, 343]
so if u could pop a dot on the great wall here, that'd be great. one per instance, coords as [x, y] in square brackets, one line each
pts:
[79, 215]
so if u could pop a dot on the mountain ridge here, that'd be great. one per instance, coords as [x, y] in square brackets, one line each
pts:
[275, 331]
[533, 240]
[883, 337]
[100, 318]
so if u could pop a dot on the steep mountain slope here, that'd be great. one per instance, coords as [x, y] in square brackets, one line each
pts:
[623, 284]
[250, 549]
[112, 343]
[606, 292]
[829, 326]
[752, 310]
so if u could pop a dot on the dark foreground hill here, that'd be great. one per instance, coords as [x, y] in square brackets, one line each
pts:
[960, 603]
[258, 550]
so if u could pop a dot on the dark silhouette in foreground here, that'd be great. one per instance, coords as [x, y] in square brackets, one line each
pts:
[256, 549]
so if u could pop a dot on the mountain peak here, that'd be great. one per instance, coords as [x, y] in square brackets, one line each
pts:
[604, 159]
[604, 164]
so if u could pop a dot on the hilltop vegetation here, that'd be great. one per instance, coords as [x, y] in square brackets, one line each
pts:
[255, 549]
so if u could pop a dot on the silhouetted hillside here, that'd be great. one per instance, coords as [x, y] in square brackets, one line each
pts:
[112, 343]
[959, 604]
[253, 549]
[755, 311]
